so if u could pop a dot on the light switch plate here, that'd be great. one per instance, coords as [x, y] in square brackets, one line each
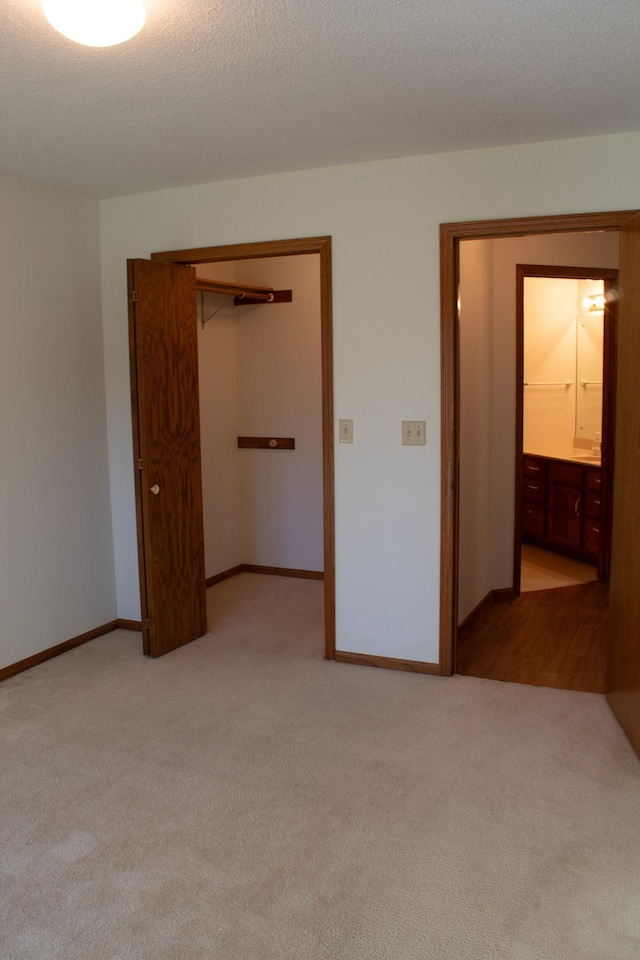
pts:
[346, 431]
[414, 433]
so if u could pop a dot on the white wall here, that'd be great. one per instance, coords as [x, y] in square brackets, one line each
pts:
[384, 219]
[280, 394]
[476, 439]
[56, 556]
[550, 306]
[218, 377]
[486, 560]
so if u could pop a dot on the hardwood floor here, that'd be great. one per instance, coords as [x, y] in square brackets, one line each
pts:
[548, 638]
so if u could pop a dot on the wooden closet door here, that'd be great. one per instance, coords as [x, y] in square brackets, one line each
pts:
[166, 427]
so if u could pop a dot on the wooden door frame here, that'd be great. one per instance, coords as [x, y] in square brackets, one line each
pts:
[607, 430]
[288, 248]
[451, 235]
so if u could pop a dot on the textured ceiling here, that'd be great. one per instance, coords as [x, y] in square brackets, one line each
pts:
[214, 90]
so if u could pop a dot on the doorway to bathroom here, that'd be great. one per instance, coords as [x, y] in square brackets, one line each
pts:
[517, 324]
[623, 667]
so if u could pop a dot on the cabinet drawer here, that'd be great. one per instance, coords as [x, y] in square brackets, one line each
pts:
[533, 519]
[591, 536]
[594, 479]
[592, 504]
[568, 473]
[533, 491]
[534, 467]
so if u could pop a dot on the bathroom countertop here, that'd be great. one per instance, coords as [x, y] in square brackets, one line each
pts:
[573, 454]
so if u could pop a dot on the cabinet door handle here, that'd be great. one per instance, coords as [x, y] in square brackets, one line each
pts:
[597, 502]
[532, 486]
[596, 529]
[576, 505]
[537, 469]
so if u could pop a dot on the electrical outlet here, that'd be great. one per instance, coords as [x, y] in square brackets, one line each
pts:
[414, 433]
[346, 431]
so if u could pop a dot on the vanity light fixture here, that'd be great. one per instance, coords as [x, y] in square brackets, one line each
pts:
[96, 23]
[594, 303]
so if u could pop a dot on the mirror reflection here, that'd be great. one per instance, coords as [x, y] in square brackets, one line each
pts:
[563, 361]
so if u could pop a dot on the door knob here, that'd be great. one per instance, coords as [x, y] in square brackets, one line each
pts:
[155, 489]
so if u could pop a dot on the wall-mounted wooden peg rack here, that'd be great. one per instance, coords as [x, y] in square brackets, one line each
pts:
[266, 443]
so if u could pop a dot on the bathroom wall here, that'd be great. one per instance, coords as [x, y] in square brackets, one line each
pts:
[549, 348]
[562, 342]
[590, 345]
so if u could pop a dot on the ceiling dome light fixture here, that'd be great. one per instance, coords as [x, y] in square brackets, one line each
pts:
[96, 23]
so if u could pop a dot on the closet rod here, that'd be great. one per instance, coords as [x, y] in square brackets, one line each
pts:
[235, 289]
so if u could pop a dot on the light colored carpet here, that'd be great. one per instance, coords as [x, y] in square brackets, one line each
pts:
[545, 570]
[242, 799]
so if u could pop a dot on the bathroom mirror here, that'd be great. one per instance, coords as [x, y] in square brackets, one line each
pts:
[562, 363]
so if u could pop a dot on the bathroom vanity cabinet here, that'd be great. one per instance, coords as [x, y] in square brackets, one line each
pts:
[562, 506]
